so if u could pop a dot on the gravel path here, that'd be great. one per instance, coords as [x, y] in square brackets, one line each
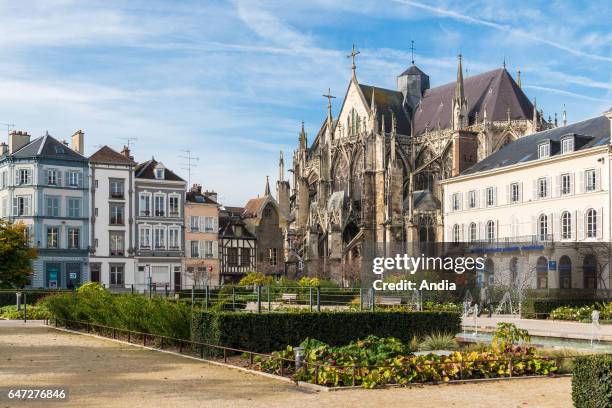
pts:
[102, 373]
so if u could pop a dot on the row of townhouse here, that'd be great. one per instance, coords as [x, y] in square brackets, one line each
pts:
[544, 201]
[106, 218]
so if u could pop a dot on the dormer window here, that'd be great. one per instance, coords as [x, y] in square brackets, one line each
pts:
[567, 145]
[543, 150]
[159, 173]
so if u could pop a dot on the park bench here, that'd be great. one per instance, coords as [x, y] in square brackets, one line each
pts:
[289, 297]
[390, 301]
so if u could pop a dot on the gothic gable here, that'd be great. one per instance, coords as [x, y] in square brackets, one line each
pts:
[353, 116]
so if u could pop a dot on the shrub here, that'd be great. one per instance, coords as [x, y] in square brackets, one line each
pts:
[582, 313]
[134, 312]
[438, 341]
[541, 308]
[592, 381]
[33, 313]
[266, 332]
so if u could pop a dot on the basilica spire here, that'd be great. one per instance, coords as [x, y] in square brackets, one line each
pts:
[267, 190]
[303, 139]
[518, 78]
[459, 101]
[564, 116]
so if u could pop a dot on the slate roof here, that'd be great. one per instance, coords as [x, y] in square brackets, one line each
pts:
[388, 101]
[199, 198]
[106, 155]
[413, 70]
[589, 133]
[146, 170]
[494, 90]
[48, 147]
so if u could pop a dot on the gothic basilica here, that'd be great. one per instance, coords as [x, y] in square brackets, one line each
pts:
[371, 174]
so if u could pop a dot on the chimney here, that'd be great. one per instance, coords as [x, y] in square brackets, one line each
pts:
[126, 152]
[18, 139]
[196, 188]
[210, 194]
[78, 143]
[3, 148]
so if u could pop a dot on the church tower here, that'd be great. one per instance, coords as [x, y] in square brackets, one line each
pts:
[460, 108]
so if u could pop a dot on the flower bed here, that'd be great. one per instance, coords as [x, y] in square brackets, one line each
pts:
[582, 313]
[376, 362]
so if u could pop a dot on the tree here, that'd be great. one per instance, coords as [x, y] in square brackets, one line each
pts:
[16, 255]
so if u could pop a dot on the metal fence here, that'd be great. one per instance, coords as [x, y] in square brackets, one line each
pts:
[288, 366]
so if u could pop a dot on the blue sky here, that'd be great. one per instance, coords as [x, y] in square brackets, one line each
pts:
[232, 80]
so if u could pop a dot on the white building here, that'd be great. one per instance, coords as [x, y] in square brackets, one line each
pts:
[546, 199]
[112, 224]
[160, 227]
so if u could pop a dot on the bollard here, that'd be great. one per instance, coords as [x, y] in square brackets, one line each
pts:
[166, 290]
[132, 288]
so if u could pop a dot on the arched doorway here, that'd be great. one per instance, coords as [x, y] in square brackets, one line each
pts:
[542, 273]
[589, 271]
[565, 272]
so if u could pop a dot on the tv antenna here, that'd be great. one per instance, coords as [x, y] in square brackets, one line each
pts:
[190, 164]
[129, 141]
[8, 127]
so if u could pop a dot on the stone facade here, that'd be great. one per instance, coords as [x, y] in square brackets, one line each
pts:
[372, 174]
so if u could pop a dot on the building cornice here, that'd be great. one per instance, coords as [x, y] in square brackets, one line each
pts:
[531, 163]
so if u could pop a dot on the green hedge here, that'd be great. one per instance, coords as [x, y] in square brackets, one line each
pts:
[592, 381]
[541, 308]
[266, 332]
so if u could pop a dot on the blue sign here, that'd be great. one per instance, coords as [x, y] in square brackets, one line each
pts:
[552, 265]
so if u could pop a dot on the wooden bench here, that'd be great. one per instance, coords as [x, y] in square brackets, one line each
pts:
[390, 301]
[289, 297]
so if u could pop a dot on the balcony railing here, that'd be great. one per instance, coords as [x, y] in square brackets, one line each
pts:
[116, 194]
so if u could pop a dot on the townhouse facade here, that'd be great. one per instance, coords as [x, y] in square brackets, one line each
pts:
[237, 246]
[201, 238]
[159, 222]
[111, 258]
[544, 203]
[44, 184]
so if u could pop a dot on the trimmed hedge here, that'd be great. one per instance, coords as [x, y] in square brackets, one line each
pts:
[592, 381]
[541, 308]
[266, 332]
